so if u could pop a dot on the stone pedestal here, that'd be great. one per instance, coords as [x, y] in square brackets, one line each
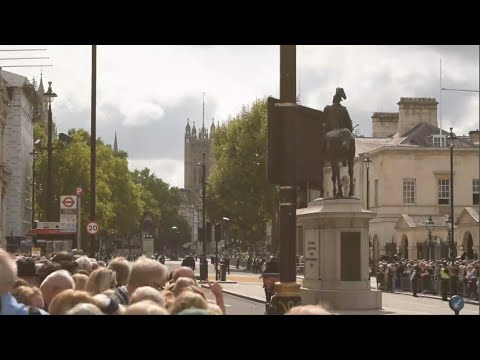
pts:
[336, 255]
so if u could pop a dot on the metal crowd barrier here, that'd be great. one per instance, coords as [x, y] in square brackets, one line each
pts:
[430, 286]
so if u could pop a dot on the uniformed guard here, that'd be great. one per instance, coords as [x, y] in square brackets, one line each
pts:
[270, 276]
[444, 280]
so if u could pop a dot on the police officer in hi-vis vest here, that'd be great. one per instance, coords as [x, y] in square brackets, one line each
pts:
[444, 281]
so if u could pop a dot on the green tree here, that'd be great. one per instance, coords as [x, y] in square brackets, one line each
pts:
[164, 202]
[237, 186]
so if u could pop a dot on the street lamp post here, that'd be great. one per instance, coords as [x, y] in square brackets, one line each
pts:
[177, 230]
[430, 224]
[50, 95]
[93, 148]
[225, 246]
[451, 140]
[449, 232]
[287, 291]
[34, 152]
[203, 260]
[367, 162]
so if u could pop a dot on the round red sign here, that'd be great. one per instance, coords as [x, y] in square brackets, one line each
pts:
[68, 202]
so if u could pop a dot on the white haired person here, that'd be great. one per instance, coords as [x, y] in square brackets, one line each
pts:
[8, 276]
[143, 272]
[54, 284]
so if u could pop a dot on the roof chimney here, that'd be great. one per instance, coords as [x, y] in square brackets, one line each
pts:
[413, 111]
[474, 136]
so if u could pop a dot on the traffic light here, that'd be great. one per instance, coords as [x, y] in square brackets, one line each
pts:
[218, 232]
[209, 232]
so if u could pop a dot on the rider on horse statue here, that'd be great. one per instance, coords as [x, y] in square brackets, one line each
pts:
[339, 143]
[336, 116]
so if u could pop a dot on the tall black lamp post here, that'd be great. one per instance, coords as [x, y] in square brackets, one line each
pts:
[367, 162]
[50, 95]
[451, 141]
[93, 148]
[430, 224]
[177, 230]
[203, 259]
[34, 152]
[449, 234]
[225, 220]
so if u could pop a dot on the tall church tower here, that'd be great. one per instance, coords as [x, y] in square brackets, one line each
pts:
[195, 146]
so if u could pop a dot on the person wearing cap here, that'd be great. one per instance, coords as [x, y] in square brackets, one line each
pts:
[270, 276]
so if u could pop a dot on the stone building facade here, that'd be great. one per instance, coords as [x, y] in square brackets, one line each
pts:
[409, 181]
[22, 109]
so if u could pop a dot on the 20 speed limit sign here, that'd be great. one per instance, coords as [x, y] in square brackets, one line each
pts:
[92, 227]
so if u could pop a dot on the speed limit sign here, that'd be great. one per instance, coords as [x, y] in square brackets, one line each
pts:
[92, 227]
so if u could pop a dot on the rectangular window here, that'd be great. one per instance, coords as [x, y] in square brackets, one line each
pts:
[439, 141]
[476, 191]
[376, 192]
[409, 191]
[443, 191]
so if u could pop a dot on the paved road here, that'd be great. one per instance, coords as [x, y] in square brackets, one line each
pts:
[233, 304]
[393, 303]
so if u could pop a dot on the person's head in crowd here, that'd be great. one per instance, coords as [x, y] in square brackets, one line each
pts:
[84, 263]
[197, 290]
[94, 263]
[109, 292]
[30, 296]
[194, 311]
[80, 281]
[85, 309]
[169, 298]
[67, 299]
[214, 309]
[101, 264]
[188, 299]
[122, 268]
[183, 271]
[62, 256]
[20, 282]
[101, 280]
[108, 305]
[83, 272]
[55, 283]
[147, 293]
[307, 310]
[181, 284]
[146, 272]
[146, 307]
[71, 266]
[27, 270]
[8, 272]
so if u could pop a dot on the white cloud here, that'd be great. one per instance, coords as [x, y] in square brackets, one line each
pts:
[170, 171]
[147, 92]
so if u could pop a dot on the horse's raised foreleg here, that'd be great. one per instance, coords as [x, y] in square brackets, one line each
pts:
[350, 175]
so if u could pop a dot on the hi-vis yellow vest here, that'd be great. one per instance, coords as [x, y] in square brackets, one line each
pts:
[444, 275]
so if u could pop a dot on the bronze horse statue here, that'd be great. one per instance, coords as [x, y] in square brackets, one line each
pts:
[339, 147]
[337, 143]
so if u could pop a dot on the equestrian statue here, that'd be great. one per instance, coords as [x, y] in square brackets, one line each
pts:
[337, 143]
